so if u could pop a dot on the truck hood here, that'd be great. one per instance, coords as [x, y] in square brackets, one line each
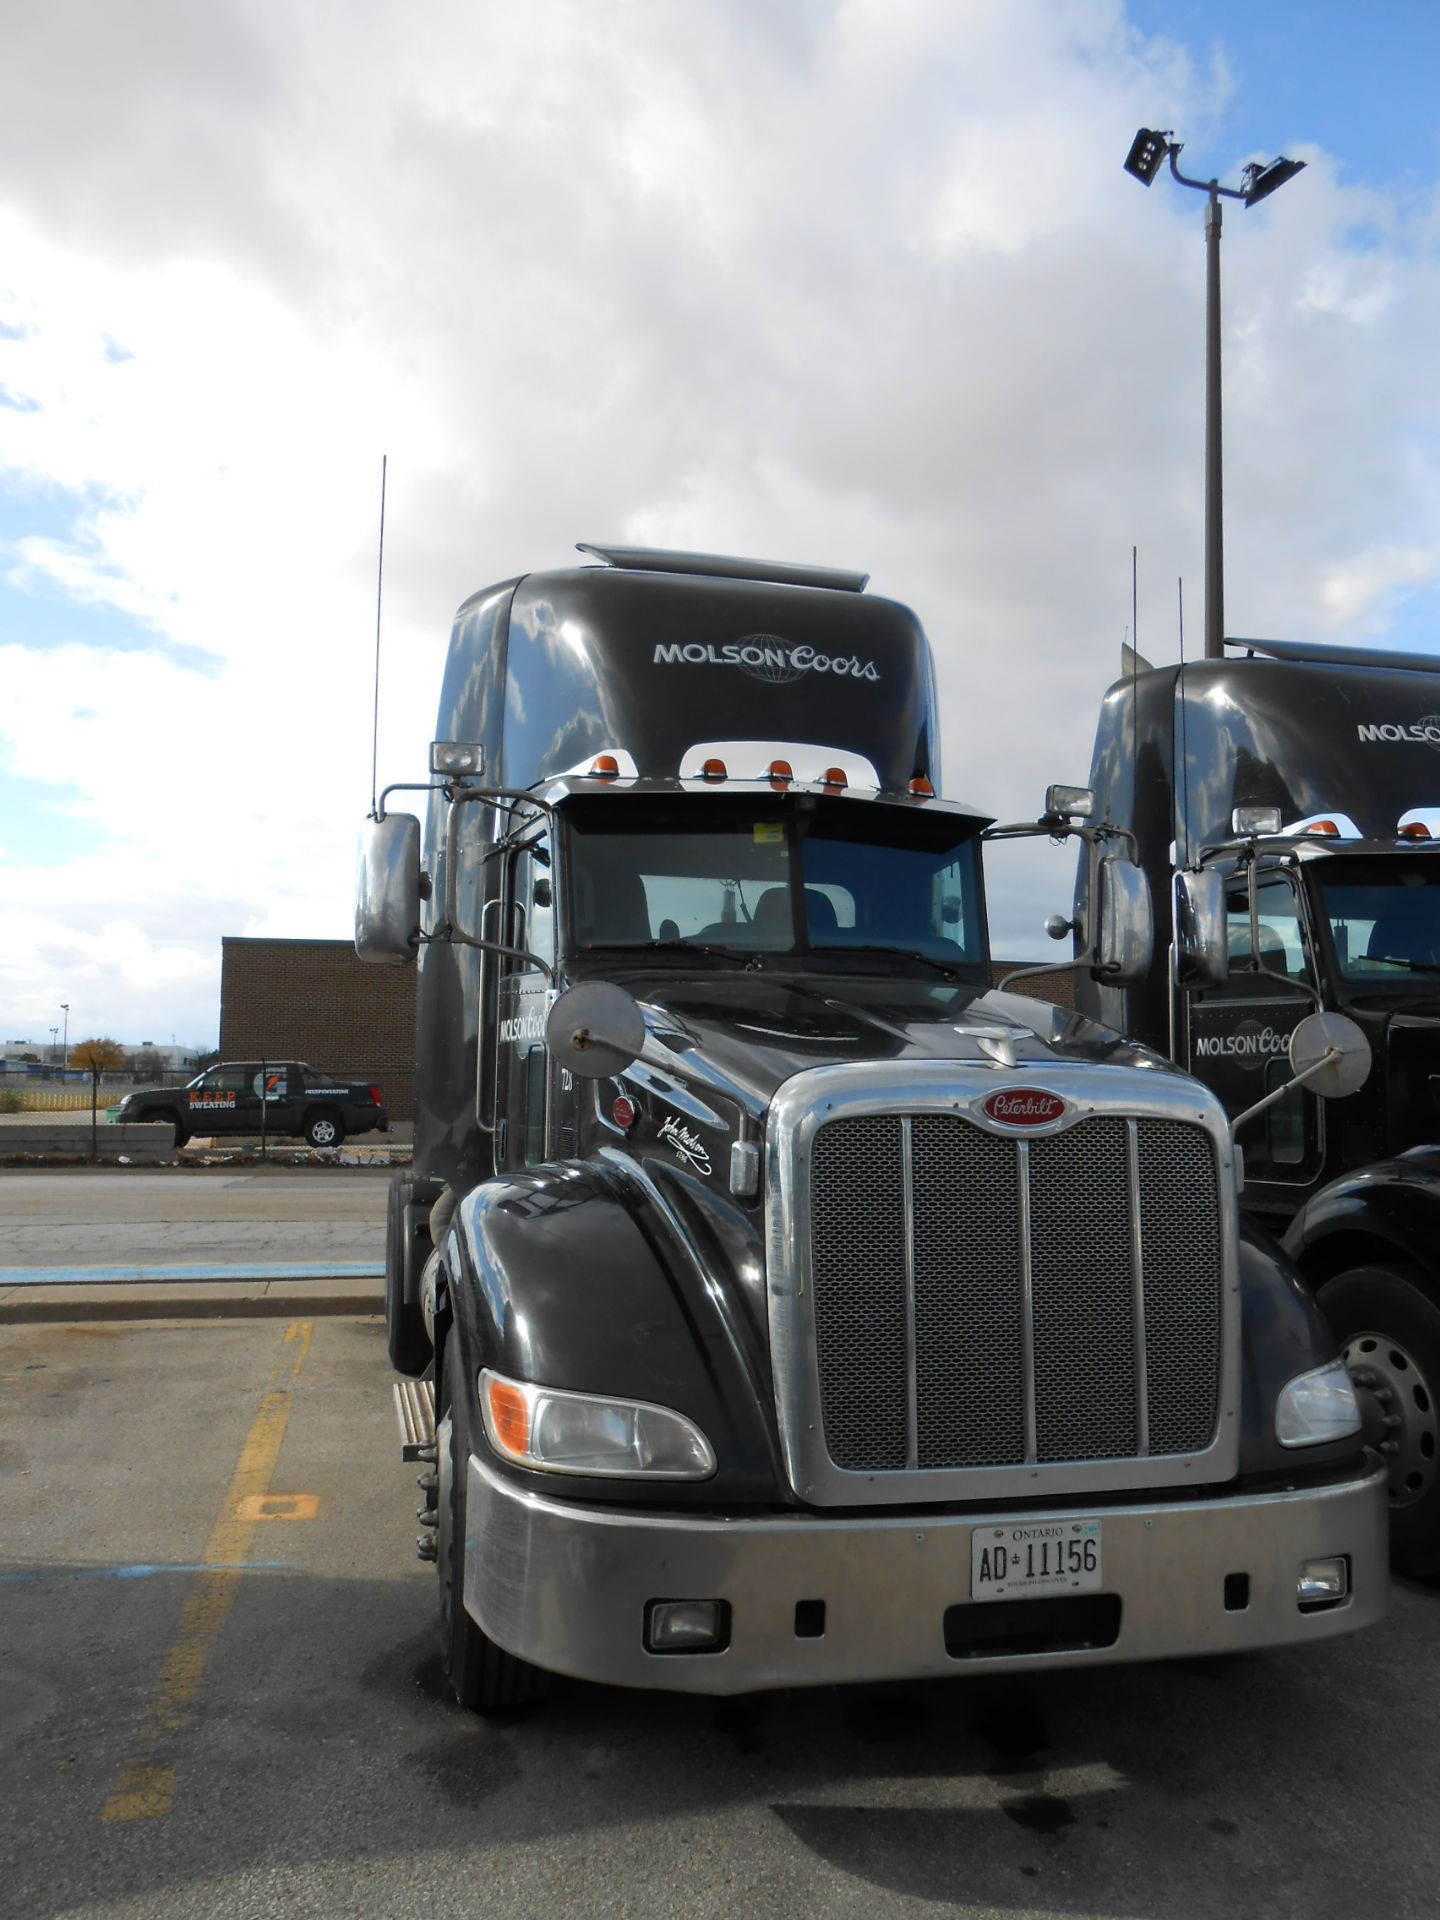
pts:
[747, 1035]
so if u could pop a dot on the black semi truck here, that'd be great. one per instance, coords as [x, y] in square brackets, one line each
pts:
[800, 1309]
[1286, 808]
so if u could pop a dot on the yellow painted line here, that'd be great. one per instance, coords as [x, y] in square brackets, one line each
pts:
[144, 1788]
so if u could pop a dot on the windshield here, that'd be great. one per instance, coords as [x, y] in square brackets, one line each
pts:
[1384, 917]
[762, 877]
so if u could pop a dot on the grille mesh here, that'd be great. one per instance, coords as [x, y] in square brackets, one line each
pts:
[1084, 1288]
[969, 1284]
[964, 1254]
[1178, 1208]
[857, 1214]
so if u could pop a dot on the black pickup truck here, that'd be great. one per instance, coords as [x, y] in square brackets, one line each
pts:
[270, 1096]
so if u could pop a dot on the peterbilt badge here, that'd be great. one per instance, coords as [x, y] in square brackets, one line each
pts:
[1023, 1107]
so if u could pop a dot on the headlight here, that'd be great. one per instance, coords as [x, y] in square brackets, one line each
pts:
[589, 1433]
[1316, 1407]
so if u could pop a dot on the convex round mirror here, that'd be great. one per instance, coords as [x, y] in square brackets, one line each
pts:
[595, 1030]
[1335, 1035]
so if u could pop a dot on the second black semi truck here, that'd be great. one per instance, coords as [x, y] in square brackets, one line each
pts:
[799, 1309]
[1286, 807]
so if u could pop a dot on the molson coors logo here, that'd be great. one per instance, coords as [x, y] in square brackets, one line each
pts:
[1249, 1045]
[766, 656]
[1023, 1107]
[1426, 730]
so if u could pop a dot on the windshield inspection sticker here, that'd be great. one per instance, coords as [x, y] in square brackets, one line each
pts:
[690, 1149]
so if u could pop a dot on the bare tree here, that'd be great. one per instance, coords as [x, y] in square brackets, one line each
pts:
[97, 1057]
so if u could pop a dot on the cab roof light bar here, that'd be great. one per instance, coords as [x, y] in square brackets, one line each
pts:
[722, 566]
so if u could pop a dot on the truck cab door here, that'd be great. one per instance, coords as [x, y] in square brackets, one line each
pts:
[523, 998]
[1239, 1035]
[276, 1085]
[219, 1104]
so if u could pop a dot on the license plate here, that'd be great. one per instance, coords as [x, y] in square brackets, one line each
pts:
[1006, 1563]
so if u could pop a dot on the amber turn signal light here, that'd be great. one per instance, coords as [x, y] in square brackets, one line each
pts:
[509, 1416]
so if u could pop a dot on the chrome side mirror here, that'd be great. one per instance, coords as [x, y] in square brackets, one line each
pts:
[1126, 941]
[1069, 803]
[387, 890]
[1202, 953]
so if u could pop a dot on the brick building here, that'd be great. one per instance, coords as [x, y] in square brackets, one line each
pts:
[314, 1000]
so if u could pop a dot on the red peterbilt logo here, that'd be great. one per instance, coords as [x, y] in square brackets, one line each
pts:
[1022, 1107]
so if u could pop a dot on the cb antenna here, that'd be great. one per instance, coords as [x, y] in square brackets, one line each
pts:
[379, 586]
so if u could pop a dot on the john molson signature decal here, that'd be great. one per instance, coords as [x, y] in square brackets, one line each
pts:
[690, 1149]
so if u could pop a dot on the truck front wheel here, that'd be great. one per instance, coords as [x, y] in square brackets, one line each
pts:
[1389, 1329]
[482, 1676]
[179, 1132]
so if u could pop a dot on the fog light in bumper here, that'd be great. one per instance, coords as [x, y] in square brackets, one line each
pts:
[1322, 1583]
[687, 1626]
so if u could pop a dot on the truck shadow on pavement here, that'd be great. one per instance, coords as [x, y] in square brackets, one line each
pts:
[318, 1738]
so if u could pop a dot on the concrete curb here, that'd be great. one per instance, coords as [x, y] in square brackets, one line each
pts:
[205, 1300]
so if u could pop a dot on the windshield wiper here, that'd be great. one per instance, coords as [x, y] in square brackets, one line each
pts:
[947, 967]
[1393, 960]
[701, 946]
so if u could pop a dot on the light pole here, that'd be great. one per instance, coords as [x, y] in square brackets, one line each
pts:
[65, 1042]
[1147, 150]
[54, 1043]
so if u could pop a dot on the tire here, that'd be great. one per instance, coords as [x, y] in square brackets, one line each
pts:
[179, 1133]
[325, 1129]
[405, 1335]
[1389, 1329]
[482, 1676]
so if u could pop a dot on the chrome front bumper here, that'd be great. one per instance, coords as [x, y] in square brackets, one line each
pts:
[566, 1586]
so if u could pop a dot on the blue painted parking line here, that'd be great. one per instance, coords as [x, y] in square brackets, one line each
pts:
[142, 1572]
[103, 1276]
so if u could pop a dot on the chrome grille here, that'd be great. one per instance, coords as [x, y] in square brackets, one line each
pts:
[982, 1300]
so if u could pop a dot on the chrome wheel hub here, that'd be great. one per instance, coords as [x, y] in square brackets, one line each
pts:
[1407, 1403]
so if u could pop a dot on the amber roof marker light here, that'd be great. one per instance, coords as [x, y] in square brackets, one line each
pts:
[1148, 150]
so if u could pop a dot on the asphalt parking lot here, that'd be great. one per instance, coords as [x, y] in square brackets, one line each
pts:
[219, 1696]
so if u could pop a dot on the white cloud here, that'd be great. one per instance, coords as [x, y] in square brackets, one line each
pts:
[847, 282]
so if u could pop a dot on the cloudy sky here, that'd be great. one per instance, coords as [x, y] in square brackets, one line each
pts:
[858, 282]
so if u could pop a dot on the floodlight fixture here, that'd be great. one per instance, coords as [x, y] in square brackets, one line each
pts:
[1262, 181]
[1147, 153]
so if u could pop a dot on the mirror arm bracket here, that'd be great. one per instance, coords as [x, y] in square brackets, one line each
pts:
[1278, 1093]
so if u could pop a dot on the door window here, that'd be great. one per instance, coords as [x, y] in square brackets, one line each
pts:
[1240, 1032]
